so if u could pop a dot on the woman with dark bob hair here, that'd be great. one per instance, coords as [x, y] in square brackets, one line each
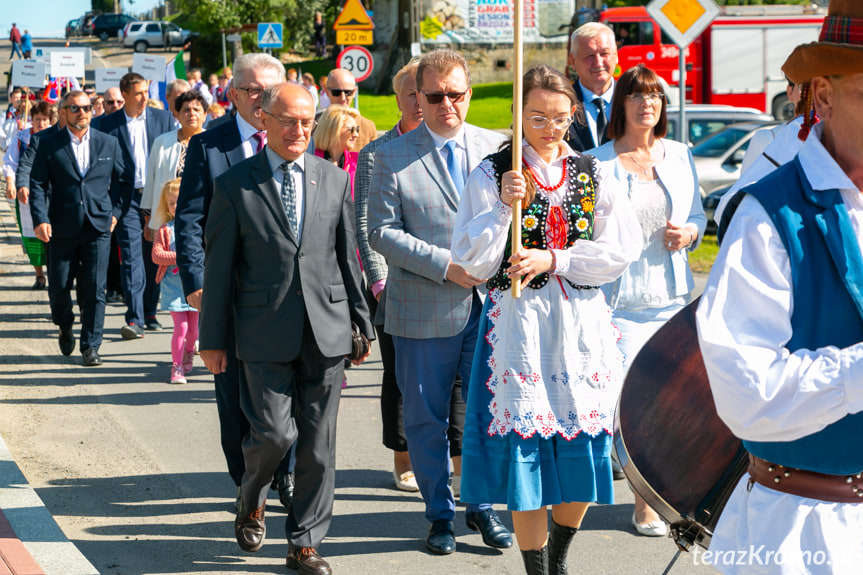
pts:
[547, 372]
[168, 156]
[659, 178]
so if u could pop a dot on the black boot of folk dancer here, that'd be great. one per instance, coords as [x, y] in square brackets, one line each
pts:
[559, 539]
[536, 562]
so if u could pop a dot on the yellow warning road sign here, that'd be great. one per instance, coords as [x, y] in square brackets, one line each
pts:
[353, 17]
[351, 37]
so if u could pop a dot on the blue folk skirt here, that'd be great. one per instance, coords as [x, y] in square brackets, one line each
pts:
[531, 473]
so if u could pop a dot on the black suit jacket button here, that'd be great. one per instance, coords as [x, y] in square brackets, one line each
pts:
[300, 293]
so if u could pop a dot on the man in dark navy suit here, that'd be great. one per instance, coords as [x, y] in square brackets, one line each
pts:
[78, 187]
[210, 154]
[593, 56]
[136, 127]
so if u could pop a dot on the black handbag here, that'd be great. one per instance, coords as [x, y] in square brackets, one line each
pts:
[359, 343]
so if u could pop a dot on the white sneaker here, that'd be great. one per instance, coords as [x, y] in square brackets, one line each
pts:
[177, 375]
[656, 528]
[406, 481]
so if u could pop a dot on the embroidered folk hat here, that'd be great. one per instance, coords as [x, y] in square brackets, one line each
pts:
[839, 49]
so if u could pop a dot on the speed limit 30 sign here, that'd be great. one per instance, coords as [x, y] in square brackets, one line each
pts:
[356, 60]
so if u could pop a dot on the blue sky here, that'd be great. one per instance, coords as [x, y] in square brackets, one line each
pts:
[47, 18]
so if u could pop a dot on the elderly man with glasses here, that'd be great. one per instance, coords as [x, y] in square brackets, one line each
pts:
[209, 155]
[78, 188]
[281, 225]
[432, 305]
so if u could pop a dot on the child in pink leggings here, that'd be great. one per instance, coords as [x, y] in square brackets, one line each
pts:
[185, 317]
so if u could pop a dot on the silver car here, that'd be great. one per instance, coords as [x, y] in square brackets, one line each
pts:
[150, 33]
[718, 158]
[705, 120]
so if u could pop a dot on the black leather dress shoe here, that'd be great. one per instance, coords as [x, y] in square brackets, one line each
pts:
[441, 537]
[91, 357]
[250, 529]
[67, 341]
[306, 561]
[284, 484]
[494, 532]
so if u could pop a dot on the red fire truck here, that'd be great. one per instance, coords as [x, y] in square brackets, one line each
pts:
[736, 61]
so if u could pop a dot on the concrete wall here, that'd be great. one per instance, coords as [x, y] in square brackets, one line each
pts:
[493, 63]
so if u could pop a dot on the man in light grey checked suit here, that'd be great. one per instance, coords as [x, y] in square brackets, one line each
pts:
[432, 306]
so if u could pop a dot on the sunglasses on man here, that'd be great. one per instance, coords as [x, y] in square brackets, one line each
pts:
[75, 108]
[437, 97]
[338, 93]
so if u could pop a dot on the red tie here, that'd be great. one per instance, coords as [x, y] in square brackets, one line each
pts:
[260, 141]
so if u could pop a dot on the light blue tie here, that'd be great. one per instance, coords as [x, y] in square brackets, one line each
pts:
[289, 196]
[453, 166]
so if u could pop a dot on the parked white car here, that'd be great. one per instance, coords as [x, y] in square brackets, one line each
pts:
[150, 33]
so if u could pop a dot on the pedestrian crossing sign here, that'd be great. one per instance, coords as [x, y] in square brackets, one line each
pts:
[270, 35]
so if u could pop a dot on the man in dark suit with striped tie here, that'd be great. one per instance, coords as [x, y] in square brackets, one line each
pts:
[211, 154]
[593, 55]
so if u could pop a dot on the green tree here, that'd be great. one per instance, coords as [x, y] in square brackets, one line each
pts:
[102, 5]
[297, 15]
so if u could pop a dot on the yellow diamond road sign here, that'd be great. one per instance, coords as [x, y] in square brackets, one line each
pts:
[683, 20]
[683, 13]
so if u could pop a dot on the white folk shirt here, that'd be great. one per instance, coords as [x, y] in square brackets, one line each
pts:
[81, 150]
[763, 392]
[138, 137]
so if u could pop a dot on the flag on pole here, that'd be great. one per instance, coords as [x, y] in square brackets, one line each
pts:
[56, 86]
[173, 70]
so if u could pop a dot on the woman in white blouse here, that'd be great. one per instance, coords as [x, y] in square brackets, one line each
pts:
[168, 156]
[659, 177]
[547, 371]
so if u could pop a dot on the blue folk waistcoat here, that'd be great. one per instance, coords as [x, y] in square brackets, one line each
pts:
[827, 283]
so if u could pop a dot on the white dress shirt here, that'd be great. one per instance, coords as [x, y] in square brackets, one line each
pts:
[81, 150]
[763, 392]
[591, 112]
[246, 132]
[138, 136]
[297, 172]
[460, 148]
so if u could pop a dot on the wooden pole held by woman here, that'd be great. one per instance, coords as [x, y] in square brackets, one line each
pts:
[516, 131]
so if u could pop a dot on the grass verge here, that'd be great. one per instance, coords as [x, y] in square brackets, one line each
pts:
[701, 260]
[490, 107]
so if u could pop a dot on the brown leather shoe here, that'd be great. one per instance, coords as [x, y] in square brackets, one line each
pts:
[250, 529]
[306, 561]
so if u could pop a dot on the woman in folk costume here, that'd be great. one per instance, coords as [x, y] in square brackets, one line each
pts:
[42, 116]
[547, 372]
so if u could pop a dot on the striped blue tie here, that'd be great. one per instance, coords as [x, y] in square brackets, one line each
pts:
[289, 196]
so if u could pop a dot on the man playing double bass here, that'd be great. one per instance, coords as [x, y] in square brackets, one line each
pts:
[781, 325]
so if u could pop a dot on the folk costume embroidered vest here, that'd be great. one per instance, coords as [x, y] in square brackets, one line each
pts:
[827, 283]
[545, 227]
